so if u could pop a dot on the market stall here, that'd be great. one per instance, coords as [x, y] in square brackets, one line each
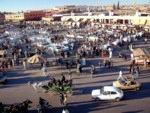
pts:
[142, 56]
[36, 59]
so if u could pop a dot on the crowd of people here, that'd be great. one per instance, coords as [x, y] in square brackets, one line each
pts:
[99, 41]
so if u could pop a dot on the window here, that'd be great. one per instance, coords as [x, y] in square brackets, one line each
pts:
[133, 82]
[113, 93]
[106, 93]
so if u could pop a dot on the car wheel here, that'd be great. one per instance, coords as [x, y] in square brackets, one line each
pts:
[96, 99]
[137, 88]
[117, 99]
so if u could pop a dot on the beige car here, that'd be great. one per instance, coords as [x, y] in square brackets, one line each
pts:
[127, 85]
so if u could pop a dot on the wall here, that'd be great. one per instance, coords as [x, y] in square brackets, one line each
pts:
[34, 15]
[14, 17]
[135, 20]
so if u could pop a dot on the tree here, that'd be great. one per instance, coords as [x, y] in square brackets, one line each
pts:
[118, 5]
[61, 86]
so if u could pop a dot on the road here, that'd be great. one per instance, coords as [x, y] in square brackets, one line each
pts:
[17, 89]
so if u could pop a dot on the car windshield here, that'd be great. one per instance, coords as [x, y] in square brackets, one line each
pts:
[133, 82]
[102, 90]
[122, 82]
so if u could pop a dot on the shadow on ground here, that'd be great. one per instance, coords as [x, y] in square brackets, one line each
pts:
[144, 92]
[137, 111]
[85, 107]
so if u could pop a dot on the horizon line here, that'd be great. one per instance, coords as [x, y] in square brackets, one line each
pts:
[24, 10]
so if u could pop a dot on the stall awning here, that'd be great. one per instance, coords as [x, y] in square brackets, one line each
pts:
[36, 59]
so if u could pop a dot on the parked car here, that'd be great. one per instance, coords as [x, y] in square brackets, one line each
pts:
[3, 78]
[127, 84]
[107, 93]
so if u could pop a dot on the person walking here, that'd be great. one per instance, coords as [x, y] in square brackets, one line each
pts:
[136, 74]
[120, 77]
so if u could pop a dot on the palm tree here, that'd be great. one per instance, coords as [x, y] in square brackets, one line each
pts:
[61, 86]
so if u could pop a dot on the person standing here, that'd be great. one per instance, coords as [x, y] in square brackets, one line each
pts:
[138, 68]
[25, 64]
[67, 64]
[136, 75]
[13, 63]
[26, 54]
[62, 99]
[132, 67]
[65, 111]
[132, 57]
[65, 99]
[78, 68]
[110, 53]
[145, 39]
[131, 47]
[92, 70]
[83, 61]
[44, 70]
[100, 64]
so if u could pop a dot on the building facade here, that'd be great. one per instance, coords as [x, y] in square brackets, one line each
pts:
[14, 17]
[34, 15]
[134, 20]
[2, 18]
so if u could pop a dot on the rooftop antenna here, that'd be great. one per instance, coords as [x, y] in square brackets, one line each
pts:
[88, 9]
[134, 4]
[98, 5]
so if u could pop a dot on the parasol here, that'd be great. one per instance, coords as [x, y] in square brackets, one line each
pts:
[36, 59]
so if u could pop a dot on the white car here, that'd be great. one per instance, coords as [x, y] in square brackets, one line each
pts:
[108, 93]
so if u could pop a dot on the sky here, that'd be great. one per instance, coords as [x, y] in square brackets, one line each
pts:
[23, 5]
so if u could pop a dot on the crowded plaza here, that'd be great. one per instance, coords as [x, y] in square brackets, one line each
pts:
[93, 64]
